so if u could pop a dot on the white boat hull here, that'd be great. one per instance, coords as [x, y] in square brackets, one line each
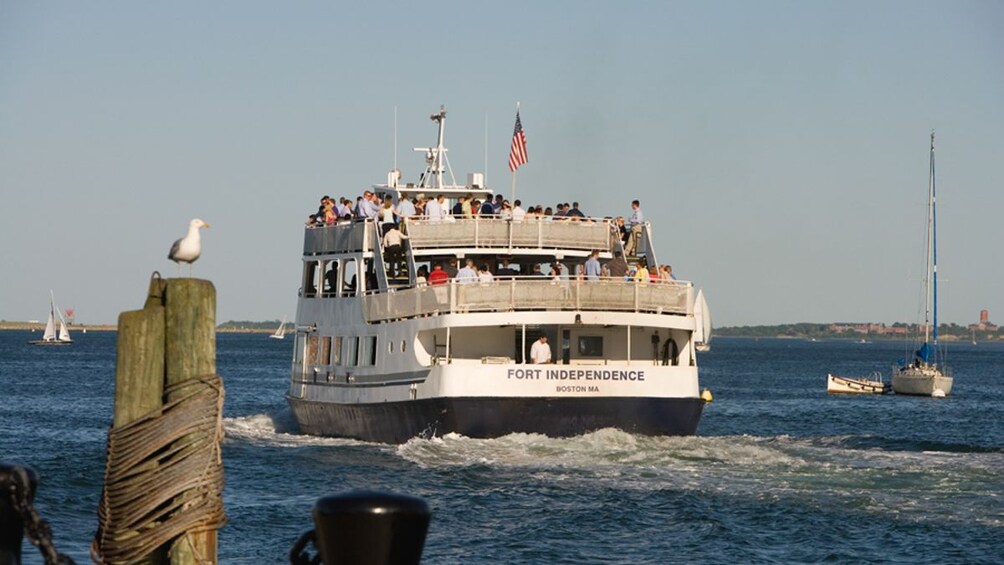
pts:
[921, 382]
[494, 400]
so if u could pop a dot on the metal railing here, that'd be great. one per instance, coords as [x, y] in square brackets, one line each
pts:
[524, 294]
[487, 233]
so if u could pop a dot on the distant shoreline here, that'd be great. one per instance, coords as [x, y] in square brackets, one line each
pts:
[28, 326]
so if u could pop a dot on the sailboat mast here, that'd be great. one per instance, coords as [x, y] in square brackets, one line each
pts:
[934, 248]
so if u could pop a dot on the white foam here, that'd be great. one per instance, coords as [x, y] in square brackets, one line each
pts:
[274, 430]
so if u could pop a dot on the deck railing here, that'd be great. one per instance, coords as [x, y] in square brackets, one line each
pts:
[487, 233]
[523, 294]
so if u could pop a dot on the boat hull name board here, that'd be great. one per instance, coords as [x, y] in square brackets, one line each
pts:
[397, 422]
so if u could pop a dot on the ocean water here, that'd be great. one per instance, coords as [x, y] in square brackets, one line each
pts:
[780, 472]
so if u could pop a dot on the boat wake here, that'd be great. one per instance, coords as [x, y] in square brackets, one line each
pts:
[813, 471]
[277, 429]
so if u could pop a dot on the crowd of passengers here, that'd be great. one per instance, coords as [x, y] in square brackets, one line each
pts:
[558, 272]
[369, 206]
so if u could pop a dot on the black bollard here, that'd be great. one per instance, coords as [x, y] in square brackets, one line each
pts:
[17, 487]
[370, 527]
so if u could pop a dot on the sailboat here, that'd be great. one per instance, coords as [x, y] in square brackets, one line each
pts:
[280, 332]
[925, 376]
[50, 337]
[702, 314]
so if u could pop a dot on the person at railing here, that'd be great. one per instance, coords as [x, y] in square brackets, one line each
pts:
[330, 216]
[634, 224]
[617, 267]
[435, 210]
[592, 269]
[666, 275]
[488, 209]
[467, 275]
[540, 351]
[422, 276]
[537, 273]
[641, 274]
[559, 211]
[405, 208]
[438, 276]
[505, 271]
[574, 211]
[518, 213]
[484, 275]
[497, 204]
[506, 212]
[312, 221]
[344, 209]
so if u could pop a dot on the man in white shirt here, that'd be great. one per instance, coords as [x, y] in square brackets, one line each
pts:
[540, 352]
[434, 209]
[467, 275]
[405, 208]
[518, 213]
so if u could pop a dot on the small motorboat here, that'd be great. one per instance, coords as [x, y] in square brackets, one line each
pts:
[857, 385]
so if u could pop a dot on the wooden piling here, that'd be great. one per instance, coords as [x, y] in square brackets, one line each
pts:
[190, 313]
[172, 340]
[139, 369]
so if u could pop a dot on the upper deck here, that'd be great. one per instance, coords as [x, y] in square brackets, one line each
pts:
[484, 234]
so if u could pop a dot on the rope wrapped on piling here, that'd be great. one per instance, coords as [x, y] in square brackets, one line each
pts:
[164, 474]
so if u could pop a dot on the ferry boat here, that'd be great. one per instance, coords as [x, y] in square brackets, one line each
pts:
[381, 355]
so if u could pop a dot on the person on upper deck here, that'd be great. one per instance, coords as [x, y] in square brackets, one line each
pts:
[634, 224]
[434, 209]
[518, 213]
[574, 211]
[488, 209]
[405, 207]
[387, 216]
[497, 204]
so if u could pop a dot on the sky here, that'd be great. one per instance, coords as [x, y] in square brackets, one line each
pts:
[779, 148]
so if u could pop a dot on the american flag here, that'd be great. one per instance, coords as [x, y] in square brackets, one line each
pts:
[517, 153]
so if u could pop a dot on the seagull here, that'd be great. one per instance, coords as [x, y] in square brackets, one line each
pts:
[188, 248]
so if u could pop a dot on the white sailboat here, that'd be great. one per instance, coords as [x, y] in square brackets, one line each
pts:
[50, 337]
[280, 332]
[925, 376]
[702, 314]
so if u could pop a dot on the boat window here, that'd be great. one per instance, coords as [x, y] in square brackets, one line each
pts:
[350, 351]
[336, 350]
[310, 279]
[298, 348]
[404, 346]
[390, 346]
[349, 281]
[590, 346]
[367, 351]
[325, 351]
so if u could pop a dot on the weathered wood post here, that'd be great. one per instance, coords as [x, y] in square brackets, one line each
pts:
[162, 498]
[191, 353]
[139, 373]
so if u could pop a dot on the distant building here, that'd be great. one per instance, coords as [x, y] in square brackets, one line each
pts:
[985, 325]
